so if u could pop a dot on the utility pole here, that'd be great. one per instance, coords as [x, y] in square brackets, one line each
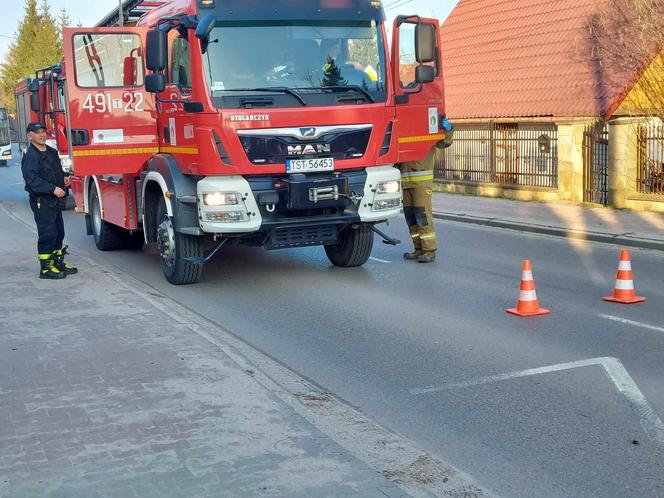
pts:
[120, 20]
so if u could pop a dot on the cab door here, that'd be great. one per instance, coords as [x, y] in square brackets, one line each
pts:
[112, 117]
[418, 83]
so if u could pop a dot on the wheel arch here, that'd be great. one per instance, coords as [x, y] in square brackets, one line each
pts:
[165, 175]
[87, 183]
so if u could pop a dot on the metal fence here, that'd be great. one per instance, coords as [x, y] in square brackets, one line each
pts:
[650, 170]
[512, 154]
[596, 163]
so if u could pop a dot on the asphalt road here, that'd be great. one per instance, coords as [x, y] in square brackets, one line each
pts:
[570, 404]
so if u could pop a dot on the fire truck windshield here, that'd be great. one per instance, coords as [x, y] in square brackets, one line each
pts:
[313, 58]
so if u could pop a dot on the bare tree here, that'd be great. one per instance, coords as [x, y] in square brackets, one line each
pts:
[628, 38]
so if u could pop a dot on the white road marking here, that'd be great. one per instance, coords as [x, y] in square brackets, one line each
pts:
[631, 322]
[613, 368]
[380, 260]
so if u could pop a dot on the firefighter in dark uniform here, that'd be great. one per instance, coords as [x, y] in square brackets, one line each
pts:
[417, 184]
[45, 183]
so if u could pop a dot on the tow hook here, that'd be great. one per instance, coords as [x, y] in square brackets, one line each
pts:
[386, 238]
[208, 258]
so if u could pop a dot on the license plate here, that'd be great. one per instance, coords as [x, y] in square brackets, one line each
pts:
[309, 165]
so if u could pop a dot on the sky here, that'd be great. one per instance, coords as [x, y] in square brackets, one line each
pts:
[88, 12]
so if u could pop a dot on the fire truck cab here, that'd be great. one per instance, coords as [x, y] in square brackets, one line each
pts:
[274, 124]
[42, 99]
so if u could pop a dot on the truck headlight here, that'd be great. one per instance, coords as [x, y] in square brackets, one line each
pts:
[221, 199]
[391, 187]
[7, 152]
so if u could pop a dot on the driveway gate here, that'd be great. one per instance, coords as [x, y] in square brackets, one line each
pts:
[596, 163]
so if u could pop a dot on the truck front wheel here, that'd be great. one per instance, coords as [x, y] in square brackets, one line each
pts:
[354, 246]
[175, 248]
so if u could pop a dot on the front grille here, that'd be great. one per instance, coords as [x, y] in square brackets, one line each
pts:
[303, 236]
[274, 149]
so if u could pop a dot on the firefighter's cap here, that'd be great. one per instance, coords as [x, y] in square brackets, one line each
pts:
[35, 127]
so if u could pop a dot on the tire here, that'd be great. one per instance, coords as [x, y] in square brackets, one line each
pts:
[174, 248]
[354, 247]
[108, 237]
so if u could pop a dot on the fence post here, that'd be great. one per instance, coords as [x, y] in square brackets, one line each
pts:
[570, 161]
[492, 145]
[623, 160]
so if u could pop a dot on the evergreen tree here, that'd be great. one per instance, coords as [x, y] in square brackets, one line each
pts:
[48, 38]
[36, 46]
[332, 74]
[63, 21]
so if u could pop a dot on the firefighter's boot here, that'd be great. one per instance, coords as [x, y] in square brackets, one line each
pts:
[59, 262]
[427, 257]
[48, 270]
[412, 256]
[415, 236]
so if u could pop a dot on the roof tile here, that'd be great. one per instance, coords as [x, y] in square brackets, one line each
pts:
[523, 58]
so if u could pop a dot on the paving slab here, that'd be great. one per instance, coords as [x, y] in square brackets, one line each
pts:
[110, 388]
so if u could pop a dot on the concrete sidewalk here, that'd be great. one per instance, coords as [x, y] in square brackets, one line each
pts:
[110, 388]
[569, 220]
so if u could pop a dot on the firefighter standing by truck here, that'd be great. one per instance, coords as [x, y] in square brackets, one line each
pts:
[417, 183]
[45, 184]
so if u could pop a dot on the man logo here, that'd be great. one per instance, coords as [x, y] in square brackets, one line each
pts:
[308, 132]
[300, 150]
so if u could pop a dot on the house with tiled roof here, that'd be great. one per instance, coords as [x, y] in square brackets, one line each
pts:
[538, 114]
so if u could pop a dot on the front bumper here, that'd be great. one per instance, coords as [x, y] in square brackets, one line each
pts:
[275, 203]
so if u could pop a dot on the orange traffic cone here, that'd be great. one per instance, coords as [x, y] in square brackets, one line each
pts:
[624, 291]
[527, 305]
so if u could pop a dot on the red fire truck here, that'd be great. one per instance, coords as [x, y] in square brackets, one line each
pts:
[215, 122]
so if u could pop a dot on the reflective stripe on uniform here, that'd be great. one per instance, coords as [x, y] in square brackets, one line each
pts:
[415, 235]
[427, 236]
[427, 178]
[410, 174]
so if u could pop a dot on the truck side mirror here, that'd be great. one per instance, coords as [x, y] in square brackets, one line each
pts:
[203, 30]
[34, 102]
[425, 74]
[425, 43]
[156, 50]
[205, 26]
[33, 86]
[155, 83]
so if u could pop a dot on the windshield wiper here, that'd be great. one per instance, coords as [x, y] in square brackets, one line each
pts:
[345, 88]
[279, 89]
